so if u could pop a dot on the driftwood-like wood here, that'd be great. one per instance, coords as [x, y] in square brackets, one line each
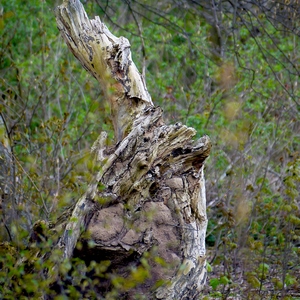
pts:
[108, 59]
[149, 193]
[7, 185]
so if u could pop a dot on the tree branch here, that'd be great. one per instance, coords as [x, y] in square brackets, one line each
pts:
[108, 59]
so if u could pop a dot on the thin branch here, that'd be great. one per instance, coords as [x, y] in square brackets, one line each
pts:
[141, 38]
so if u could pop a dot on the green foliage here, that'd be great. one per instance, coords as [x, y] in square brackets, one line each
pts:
[215, 282]
[247, 101]
[51, 107]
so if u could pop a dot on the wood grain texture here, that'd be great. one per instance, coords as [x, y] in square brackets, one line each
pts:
[152, 195]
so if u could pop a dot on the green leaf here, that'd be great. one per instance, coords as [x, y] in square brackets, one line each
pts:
[214, 282]
[253, 281]
[224, 280]
[209, 267]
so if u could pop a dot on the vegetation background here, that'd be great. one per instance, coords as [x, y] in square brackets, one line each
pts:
[230, 69]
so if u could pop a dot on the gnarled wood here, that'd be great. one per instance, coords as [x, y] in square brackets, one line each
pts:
[108, 59]
[7, 200]
[153, 200]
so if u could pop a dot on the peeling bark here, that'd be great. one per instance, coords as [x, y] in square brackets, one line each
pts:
[7, 185]
[108, 59]
[152, 195]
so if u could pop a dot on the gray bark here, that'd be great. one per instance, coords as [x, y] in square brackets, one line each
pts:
[7, 185]
[149, 193]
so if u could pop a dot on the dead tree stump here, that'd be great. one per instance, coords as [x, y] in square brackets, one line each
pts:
[148, 198]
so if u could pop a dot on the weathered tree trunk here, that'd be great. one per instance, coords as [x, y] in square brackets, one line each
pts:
[149, 193]
[7, 186]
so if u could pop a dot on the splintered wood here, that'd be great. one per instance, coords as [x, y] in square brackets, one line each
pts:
[152, 195]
